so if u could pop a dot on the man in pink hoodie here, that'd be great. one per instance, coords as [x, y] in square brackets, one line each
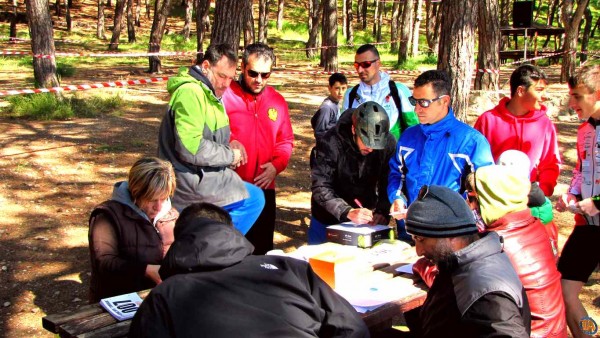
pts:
[520, 123]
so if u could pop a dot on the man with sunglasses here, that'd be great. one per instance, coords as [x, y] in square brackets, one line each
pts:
[194, 137]
[476, 292]
[260, 121]
[440, 150]
[377, 86]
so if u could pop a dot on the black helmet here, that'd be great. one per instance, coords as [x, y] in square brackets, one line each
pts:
[371, 124]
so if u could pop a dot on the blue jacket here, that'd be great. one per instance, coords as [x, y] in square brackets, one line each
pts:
[436, 153]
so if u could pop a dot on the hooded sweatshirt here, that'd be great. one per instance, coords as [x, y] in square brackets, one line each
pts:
[194, 137]
[213, 287]
[533, 133]
[502, 197]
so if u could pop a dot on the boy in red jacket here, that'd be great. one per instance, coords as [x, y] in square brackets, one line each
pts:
[520, 123]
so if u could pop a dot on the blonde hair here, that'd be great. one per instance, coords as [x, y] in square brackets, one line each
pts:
[151, 177]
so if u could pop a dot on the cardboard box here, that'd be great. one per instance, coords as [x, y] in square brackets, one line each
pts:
[364, 236]
[334, 268]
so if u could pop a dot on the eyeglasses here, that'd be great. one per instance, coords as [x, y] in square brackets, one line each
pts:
[364, 64]
[254, 74]
[423, 102]
[423, 192]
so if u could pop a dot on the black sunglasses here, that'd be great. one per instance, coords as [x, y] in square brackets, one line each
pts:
[423, 102]
[364, 64]
[254, 74]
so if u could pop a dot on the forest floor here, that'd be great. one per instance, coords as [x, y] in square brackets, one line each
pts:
[53, 173]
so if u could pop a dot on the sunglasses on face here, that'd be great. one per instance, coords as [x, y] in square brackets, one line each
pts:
[423, 102]
[254, 74]
[364, 64]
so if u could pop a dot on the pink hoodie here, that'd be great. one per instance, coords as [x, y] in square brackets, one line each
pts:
[533, 133]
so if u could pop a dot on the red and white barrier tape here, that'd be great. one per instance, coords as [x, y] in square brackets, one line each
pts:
[82, 87]
[44, 56]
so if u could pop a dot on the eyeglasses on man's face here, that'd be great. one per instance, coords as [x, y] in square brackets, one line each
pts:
[364, 64]
[423, 102]
[254, 74]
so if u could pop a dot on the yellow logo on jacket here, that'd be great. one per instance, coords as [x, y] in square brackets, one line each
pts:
[272, 114]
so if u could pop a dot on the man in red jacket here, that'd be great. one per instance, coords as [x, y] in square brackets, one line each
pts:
[259, 120]
[520, 123]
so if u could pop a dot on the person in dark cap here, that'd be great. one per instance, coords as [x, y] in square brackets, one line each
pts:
[476, 292]
[349, 171]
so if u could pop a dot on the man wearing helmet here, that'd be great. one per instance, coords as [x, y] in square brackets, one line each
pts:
[440, 150]
[350, 171]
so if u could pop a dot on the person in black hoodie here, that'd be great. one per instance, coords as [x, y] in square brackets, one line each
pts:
[349, 171]
[214, 287]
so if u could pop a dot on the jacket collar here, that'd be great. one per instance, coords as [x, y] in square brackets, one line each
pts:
[196, 73]
[442, 126]
[489, 244]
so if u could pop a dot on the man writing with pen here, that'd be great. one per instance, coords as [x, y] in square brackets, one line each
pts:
[350, 171]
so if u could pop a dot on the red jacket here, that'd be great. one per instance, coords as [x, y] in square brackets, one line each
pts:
[526, 244]
[262, 124]
[533, 133]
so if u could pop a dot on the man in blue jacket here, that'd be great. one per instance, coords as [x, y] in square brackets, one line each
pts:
[439, 150]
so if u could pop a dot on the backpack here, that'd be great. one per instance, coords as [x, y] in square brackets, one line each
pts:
[395, 95]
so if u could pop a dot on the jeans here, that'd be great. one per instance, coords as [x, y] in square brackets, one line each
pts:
[316, 232]
[245, 212]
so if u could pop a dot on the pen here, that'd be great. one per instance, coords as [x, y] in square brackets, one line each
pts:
[358, 203]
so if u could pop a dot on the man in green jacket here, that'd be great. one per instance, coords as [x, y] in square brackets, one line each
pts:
[194, 137]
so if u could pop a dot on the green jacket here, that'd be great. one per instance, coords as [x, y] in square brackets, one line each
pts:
[194, 137]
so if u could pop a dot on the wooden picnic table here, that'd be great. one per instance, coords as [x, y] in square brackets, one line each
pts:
[93, 321]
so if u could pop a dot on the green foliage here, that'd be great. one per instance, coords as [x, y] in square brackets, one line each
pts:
[416, 62]
[48, 106]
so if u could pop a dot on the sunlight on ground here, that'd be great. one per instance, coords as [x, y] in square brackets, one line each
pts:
[75, 236]
[294, 200]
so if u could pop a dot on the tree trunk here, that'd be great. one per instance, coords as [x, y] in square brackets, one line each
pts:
[596, 25]
[364, 14]
[432, 31]
[42, 42]
[248, 24]
[138, 13]
[100, 28]
[394, 27]
[457, 46]
[161, 13]
[114, 40]
[280, 15]
[344, 18]
[330, 35]
[359, 4]
[313, 35]
[188, 19]
[416, 28]
[202, 9]
[376, 18]
[58, 8]
[489, 43]
[148, 9]
[130, 22]
[68, 15]
[505, 10]
[586, 34]
[263, 16]
[405, 31]
[226, 30]
[571, 19]
[349, 26]
[13, 20]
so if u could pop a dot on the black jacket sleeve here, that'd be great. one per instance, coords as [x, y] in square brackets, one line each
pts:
[152, 319]
[497, 315]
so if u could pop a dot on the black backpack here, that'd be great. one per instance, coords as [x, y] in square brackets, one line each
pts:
[395, 95]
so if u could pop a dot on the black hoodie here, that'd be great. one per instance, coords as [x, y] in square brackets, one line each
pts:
[213, 287]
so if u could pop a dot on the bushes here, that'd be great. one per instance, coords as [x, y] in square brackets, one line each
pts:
[48, 107]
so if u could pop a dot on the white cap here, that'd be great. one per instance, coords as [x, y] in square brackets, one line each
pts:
[517, 160]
